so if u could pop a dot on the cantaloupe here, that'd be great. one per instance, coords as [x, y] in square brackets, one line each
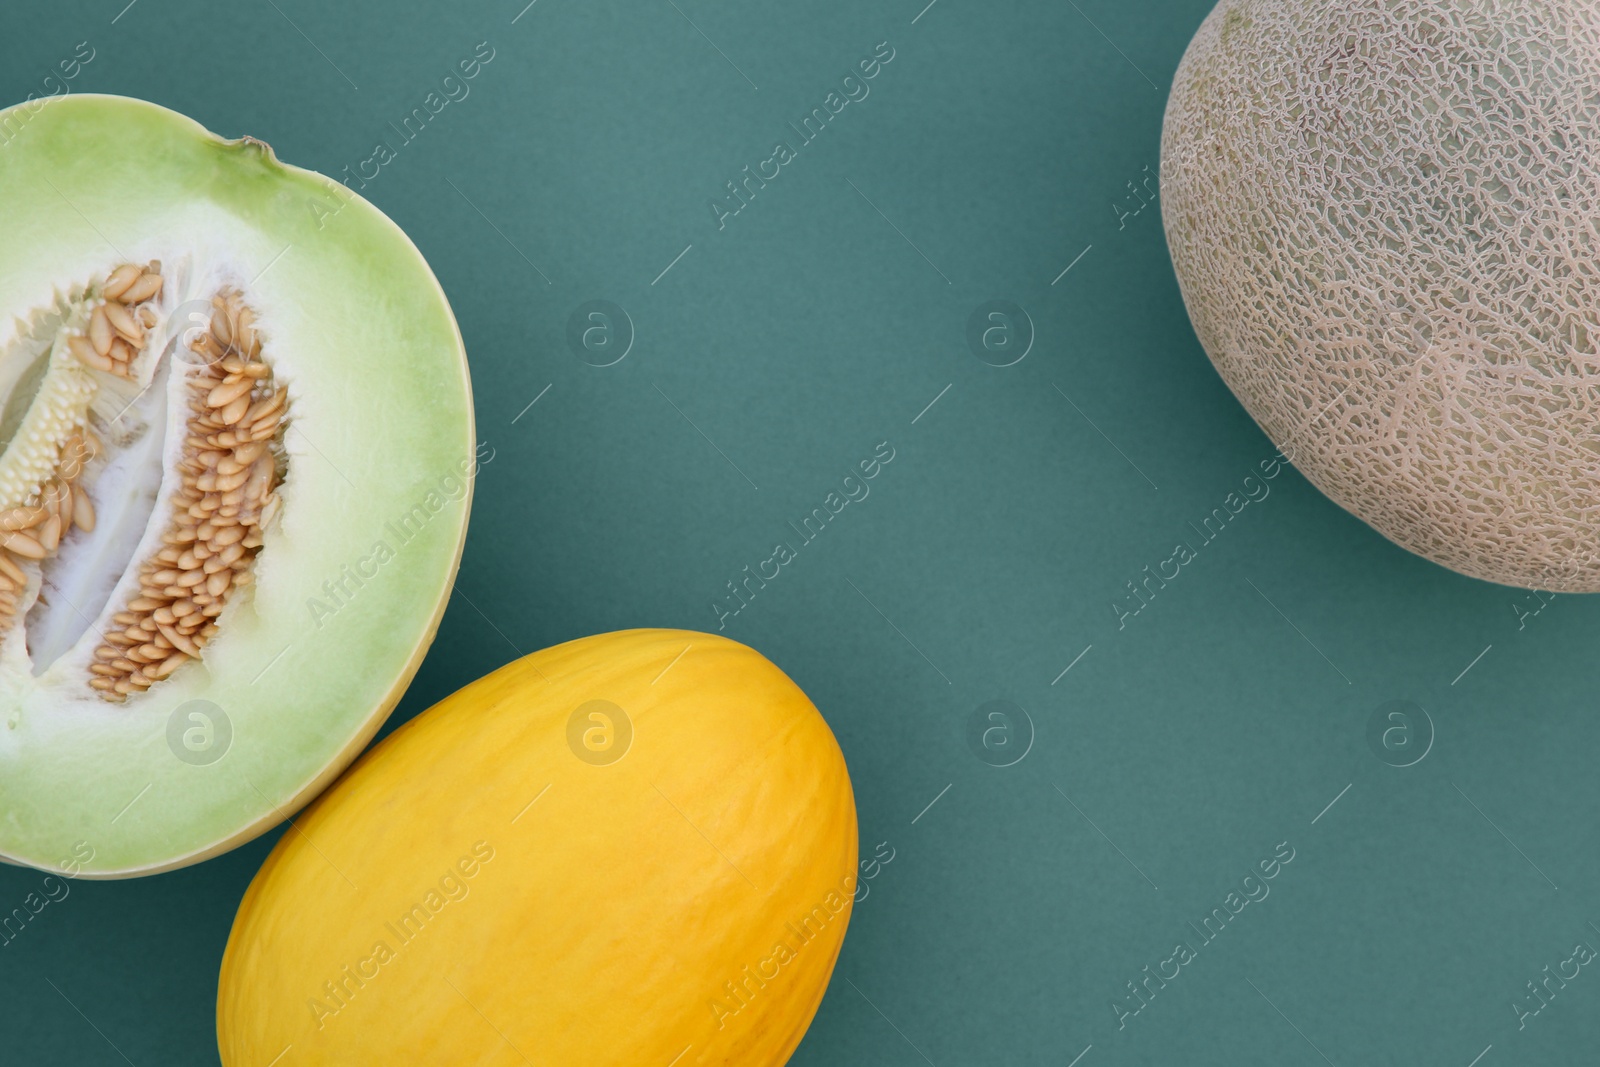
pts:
[1383, 216]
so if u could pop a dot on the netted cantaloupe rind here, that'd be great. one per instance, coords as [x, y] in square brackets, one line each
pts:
[1385, 220]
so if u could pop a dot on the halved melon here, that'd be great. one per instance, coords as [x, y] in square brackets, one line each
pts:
[236, 461]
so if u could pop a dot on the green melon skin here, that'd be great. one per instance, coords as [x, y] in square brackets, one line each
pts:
[381, 452]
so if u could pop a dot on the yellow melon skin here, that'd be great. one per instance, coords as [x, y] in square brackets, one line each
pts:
[472, 892]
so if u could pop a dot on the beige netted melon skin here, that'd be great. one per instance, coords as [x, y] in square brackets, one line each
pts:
[1385, 221]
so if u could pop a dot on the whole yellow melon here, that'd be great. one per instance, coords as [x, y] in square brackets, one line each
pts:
[632, 849]
[1383, 215]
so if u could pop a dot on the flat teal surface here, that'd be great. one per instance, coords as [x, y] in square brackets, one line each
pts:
[1244, 716]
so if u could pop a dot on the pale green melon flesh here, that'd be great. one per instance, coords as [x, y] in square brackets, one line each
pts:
[380, 451]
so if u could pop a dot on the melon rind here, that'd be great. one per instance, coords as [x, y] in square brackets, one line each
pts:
[1382, 218]
[618, 907]
[380, 425]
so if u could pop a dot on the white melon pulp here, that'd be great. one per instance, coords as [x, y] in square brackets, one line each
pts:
[349, 505]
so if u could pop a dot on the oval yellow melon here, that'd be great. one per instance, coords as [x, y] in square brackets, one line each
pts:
[632, 849]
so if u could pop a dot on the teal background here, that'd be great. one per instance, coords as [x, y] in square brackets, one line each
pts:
[1178, 751]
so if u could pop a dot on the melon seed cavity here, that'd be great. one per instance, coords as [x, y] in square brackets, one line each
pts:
[100, 394]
